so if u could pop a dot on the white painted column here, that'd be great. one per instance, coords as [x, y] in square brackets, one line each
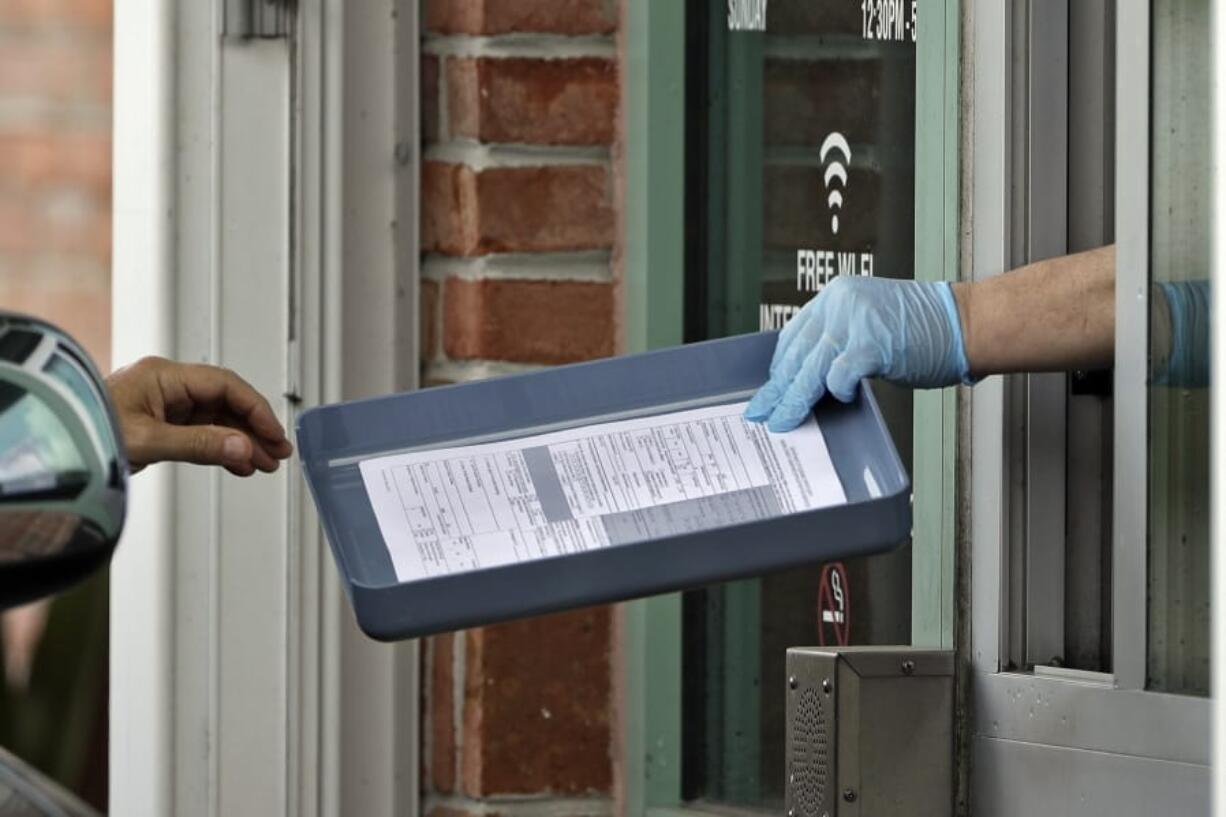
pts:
[141, 760]
[257, 204]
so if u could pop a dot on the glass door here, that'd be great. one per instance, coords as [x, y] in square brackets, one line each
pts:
[1180, 229]
[800, 167]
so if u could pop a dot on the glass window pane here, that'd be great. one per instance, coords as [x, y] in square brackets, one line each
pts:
[800, 157]
[1178, 626]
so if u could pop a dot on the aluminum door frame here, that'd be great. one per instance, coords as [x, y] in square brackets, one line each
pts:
[1040, 742]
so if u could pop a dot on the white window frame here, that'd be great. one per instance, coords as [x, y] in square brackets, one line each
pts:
[1041, 741]
[265, 217]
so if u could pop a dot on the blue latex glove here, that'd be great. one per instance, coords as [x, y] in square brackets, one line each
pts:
[905, 331]
[1188, 364]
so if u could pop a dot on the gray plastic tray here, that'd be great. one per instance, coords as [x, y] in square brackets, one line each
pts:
[333, 439]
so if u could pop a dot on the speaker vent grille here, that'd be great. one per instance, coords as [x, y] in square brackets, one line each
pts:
[810, 754]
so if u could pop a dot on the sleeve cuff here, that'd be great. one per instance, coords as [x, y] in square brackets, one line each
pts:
[960, 363]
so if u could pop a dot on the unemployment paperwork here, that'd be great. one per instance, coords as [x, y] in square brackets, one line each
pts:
[452, 510]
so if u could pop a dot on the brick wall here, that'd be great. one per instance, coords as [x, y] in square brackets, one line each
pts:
[520, 104]
[55, 257]
[55, 164]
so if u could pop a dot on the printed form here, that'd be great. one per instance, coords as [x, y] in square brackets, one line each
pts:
[451, 510]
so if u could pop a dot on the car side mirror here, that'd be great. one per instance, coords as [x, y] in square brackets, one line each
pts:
[63, 473]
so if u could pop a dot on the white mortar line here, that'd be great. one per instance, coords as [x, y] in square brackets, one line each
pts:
[41, 35]
[526, 805]
[539, 46]
[480, 156]
[587, 266]
[32, 110]
[458, 371]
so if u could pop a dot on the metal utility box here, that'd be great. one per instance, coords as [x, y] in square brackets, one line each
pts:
[869, 731]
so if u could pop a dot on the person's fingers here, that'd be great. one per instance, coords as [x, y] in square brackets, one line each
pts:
[277, 449]
[205, 384]
[264, 455]
[849, 369]
[795, 341]
[768, 396]
[764, 401]
[785, 369]
[261, 459]
[272, 453]
[155, 441]
[806, 388]
[281, 449]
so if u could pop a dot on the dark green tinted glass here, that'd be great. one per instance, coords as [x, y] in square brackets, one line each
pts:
[801, 166]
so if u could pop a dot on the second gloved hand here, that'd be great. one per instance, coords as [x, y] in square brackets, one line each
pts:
[907, 332]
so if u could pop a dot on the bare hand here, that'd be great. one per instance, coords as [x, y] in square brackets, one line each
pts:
[192, 412]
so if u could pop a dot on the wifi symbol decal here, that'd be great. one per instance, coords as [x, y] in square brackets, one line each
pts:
[836, 170]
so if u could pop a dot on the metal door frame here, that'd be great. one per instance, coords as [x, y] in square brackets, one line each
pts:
[1041, 741]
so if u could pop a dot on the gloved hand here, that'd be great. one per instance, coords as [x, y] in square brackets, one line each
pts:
[905, 331]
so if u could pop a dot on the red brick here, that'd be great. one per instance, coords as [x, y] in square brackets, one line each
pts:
[442, 714]
[510, 16]
[64, 221]
[536, 713]
[463, 89]
[527, 321]
[39, 159]
[545, 209]
[55, 166]
[533, 101]
[17, 230]
[56, 13]
[429, 98]
[429, 341]
[79, 304]
[550, 208]
[67, 69]
[448, 217]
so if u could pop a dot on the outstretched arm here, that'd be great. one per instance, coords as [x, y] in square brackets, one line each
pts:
[1050, 316]
[1053, 315]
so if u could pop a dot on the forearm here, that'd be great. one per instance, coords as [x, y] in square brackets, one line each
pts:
[1053, 315]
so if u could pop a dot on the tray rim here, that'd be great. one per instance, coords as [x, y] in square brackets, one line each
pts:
[364, 593]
